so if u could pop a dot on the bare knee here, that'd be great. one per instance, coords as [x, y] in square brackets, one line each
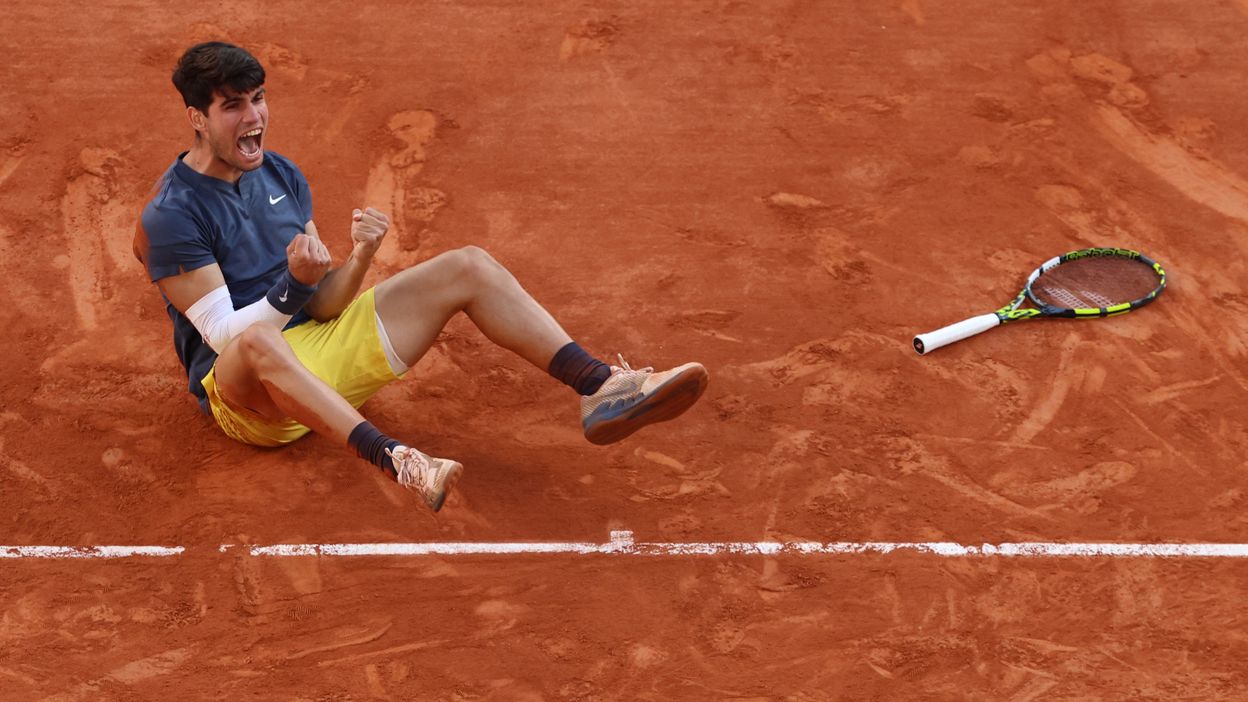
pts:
[264, 348]
[477, 265]
[449, 283]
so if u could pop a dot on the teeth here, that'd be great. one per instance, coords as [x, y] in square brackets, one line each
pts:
[254, 132]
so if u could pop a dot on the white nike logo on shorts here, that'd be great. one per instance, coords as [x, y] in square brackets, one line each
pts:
[275, 200]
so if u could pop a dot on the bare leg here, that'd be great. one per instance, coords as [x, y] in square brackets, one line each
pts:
[260, 371]
[416, 304]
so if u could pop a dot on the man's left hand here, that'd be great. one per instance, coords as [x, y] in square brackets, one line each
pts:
[368, 228]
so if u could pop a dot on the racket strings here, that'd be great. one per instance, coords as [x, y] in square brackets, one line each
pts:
[1061, 296]
[1095, 281]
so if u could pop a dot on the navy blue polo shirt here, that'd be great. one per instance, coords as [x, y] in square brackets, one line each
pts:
[193, 220]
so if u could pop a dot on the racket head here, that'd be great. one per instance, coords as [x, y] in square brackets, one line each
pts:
[1096, 282]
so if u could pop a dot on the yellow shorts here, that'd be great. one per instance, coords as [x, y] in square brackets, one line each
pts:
[345, 352]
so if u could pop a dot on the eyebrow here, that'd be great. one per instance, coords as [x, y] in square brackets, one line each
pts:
[237, 97]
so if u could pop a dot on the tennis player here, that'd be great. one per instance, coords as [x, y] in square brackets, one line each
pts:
[277, 342]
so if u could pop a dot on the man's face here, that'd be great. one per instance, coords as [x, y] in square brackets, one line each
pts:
[235, 127]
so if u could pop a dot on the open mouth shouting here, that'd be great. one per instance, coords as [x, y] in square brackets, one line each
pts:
[250, 144]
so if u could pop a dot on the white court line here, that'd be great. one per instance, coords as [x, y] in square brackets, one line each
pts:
[89, 551]
[764, 548]
[622, 544]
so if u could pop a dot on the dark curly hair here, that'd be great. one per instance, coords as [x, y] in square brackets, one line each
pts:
[208, 68]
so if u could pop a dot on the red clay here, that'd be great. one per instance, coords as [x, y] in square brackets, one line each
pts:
[786, 192]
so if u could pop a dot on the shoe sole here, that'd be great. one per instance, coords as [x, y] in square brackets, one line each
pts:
[447, 485]
[666, 402]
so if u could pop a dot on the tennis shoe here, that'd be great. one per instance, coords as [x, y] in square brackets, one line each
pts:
[631, 399]
[432, 477]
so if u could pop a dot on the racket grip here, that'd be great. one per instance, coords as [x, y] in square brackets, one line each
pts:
[926, 343]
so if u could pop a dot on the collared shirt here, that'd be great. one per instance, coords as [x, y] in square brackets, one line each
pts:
[193, 220]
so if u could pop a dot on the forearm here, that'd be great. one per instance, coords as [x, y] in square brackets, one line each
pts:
[218, 322]
[339, 287]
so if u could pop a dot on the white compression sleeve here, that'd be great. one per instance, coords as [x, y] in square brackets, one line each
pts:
[218, 322]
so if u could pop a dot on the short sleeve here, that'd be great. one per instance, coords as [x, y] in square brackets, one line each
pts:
[172, 242]
[303, 194]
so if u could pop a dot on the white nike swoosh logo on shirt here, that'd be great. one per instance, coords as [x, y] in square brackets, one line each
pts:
[287, 290]
[275, 200]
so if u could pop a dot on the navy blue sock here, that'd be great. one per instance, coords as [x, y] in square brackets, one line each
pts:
[578, 370]
[371, 445]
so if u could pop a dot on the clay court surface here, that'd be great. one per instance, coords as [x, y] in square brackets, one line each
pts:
[785, 191]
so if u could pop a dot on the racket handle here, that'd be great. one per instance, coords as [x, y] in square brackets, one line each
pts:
[926, 343]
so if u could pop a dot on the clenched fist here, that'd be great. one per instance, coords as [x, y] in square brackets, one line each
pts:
[368, 228]
[308, 259]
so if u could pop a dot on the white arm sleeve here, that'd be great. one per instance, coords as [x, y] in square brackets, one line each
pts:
[218, 322]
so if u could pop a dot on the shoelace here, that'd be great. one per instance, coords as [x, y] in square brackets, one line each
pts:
[635, 389]
[419, 476]
[625, 366]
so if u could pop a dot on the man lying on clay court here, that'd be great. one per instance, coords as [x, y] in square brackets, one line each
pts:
[277, 344]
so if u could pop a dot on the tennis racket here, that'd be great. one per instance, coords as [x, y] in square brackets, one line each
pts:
[1084, 284]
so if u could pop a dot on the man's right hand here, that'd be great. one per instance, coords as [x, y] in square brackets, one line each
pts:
[308, 259]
